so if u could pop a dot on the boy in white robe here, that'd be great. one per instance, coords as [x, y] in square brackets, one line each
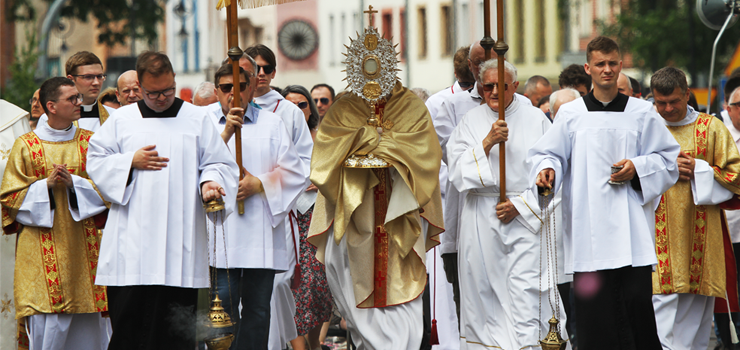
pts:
[499, 257]
[256, 246]
[157, 162]
[49, 201]
[608, 228]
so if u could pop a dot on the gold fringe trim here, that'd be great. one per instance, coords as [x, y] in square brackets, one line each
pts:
[251, 4]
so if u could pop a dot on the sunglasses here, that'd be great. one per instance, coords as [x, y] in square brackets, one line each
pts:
[268, 69]
[324, 100]
[465, 85]
[226, 88]
[302, 105]
[489, 87]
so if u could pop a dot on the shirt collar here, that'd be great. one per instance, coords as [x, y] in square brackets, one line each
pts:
[253, 110]
[690, 117]
[474, 92]
[618, 104]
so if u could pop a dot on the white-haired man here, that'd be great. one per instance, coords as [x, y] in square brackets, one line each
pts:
[127, 88]
[205, 94]
[561, 97]
[500, 275]
[536, 88]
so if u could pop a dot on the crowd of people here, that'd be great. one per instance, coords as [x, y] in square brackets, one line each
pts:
[106, 198]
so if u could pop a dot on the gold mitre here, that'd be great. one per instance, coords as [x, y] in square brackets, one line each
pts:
[371, 64]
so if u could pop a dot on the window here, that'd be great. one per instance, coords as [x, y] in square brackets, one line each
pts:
[446, 22]
[388, 24]
[540, 40]
[518, 32]
[402, 26]
[465, 21]
[332, 47]
[421, 13]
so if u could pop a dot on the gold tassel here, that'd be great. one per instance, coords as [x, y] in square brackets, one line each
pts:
[250, 4]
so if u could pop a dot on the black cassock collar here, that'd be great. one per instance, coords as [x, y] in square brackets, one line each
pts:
[618, 104]
[171, 112]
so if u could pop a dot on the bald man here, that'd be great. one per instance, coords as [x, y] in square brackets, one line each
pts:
[624, 84]
[128, 88]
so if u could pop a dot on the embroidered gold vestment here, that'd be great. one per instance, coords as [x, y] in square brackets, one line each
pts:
[55, 267]
[689, 238]
[387, 259]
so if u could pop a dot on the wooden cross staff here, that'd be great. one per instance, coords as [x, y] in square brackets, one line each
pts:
[235, 53]
[500, 47]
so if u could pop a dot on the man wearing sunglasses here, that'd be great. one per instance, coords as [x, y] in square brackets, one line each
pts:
[86, 70]
[323, 96]
[448, 116]
[500, 278]
[273, 179]
[157, 161]
[50, 202]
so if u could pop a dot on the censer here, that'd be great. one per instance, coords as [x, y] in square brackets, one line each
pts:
[553, 340]
[219, 322]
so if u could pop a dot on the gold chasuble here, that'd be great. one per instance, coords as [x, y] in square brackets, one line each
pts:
[692, 245]
[54, 268]
[380, 216]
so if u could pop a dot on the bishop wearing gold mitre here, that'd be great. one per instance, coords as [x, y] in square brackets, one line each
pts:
[376, 163]
[696, 265]
[49, 202]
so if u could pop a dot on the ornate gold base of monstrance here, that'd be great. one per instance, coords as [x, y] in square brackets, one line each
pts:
[552, 340]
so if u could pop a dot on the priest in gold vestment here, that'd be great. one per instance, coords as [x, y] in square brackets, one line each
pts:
[49, 202]
[376, 164]
[695, 258]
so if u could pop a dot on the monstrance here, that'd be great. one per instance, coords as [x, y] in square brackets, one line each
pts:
[371, 74]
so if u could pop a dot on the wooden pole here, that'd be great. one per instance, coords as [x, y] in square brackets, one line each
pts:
[235, 53]
[500, 47]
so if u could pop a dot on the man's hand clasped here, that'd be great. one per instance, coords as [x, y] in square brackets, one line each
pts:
[686, 164]
[59, 174]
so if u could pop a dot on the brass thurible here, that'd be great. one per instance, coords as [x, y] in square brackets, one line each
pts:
[553, 340]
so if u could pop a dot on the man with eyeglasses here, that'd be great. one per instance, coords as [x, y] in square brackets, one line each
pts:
[686, 290]
[50, 203]
[500, 276]
[283, 328]
[448, 116]
[127, 89]
[158, 161]
[323, 96]
[256, 240]
[86, 70]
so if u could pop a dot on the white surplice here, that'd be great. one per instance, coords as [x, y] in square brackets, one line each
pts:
[155, 233]
[733, 216]
[613, 226]
[256, 239]
[92, 124]
[435, 101]
[13, 123]
[499, 263]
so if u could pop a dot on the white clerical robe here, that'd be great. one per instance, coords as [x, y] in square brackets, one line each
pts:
[256, 239]
[13, 123]
[155, 233]
[435, 101]
[500, 274]
[91, 123]
[733, 216]
[63, 331]
[607, 226]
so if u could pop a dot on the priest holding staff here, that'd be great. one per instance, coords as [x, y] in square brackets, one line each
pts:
[499, 249]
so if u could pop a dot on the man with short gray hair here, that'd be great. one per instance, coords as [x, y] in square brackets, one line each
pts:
[561, 97]
[205, 94]
[536, 88]
[499, 253]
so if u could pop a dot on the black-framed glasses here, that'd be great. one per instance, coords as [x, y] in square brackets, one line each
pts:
[302, 105]
[267, 68]
[735, 104]
[91, 77]
[153, 95]
[74, 99]
[226, 88]
[489, 87]
[465, 85]
[323, 100]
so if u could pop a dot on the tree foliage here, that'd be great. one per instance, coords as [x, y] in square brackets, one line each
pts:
[113, 16]
[19, 89]
[660, 33]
